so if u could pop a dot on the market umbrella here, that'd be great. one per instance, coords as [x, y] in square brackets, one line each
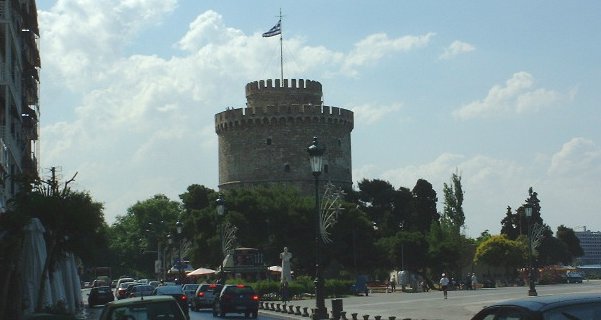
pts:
[276, 269]
[201, 272]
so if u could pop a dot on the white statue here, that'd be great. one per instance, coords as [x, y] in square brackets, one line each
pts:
[286, 272]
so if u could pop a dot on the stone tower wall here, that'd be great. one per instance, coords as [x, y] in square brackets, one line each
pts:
[266, 142]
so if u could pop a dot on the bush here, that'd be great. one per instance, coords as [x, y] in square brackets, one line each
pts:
[299, 287]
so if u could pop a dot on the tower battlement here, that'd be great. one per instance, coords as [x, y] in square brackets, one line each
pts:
[283, 114]
[274, 92]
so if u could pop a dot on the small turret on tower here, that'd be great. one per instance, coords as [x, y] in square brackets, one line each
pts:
[266, 93]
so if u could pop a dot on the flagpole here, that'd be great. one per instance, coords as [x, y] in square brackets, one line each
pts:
[281, 51]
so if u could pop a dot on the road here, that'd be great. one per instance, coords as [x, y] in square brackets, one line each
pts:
[429, 305]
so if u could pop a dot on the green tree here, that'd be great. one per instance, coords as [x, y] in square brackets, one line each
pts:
[135, 236]
[424, 198]
[74, 222]
[508, 226]
[376, 198]
[568, 236]
[453, 202]
[501, 251]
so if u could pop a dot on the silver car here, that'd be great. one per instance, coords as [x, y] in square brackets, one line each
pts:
[205, 295]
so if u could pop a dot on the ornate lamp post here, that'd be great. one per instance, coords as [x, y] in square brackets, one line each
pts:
[316, 159]
[220, 204]
[179, 227]
[532, 289]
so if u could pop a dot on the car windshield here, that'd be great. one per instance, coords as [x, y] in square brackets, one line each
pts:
[149, 311]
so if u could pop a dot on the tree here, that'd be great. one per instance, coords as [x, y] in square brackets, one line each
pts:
[376, 198]
[425, 213]
[568, 236]
[453, 202]
[135, 236]
[74, 222]
[508, 226]
[499, 250]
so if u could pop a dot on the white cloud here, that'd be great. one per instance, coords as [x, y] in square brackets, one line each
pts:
[516, 96]
[456, 48]
[370, 114]
[577, 158]
[376, 46]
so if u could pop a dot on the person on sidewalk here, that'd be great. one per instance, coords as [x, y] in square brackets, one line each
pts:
[444, 284]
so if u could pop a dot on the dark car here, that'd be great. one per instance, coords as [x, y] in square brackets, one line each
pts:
[555, 307]
[205, 295]
[140, 290]
[100, 295]
[151, 307]
[236, 299]
[190, 290]
[176, 292]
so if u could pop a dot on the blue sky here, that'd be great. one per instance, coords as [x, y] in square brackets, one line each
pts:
[504, 92]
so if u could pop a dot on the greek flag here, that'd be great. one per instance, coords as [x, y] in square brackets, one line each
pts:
[277, 29]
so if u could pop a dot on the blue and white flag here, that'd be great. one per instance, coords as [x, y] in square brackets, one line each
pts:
[277, 29]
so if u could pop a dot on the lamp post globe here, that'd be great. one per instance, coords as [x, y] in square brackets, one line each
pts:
[531, 285]
[316, 160]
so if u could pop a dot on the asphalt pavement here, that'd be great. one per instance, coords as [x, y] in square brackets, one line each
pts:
[462, 304]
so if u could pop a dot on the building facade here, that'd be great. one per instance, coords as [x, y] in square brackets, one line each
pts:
[19, 94]
[266, 142]
[590, 241]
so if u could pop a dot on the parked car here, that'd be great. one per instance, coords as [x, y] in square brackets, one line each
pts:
[140, 290]
[569, 306]
[152, 307]
[190, 291]
[176, 292]
[100, 295]
[121, 291]
[119, 282]
[236, 299]
[205, 295]
[574, 277]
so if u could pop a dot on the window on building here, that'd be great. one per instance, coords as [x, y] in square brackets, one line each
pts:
[286, 168]
[268, 141]
[325, 168]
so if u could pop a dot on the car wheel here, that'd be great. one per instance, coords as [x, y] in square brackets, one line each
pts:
[222, 314]
[246, 315]
[255, 314]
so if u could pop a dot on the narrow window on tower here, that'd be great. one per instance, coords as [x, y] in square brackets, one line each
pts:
[339, 142]
[268, 141]
[325, 168]
[286, 168]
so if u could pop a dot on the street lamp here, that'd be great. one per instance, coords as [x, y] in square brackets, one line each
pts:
[170, 242]
[179, 227]
[316, 159]
[220, 204]
[532, 289]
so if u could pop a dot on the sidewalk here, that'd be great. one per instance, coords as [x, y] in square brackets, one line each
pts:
[422, 306]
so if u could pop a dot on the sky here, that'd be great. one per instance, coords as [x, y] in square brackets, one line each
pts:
[504, 93]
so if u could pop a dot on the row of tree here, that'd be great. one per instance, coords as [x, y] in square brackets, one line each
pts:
[381, 228]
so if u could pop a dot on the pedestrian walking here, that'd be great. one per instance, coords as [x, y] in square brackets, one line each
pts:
[474, 281]
[284, 291]
[444, 284]
[393, 284]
